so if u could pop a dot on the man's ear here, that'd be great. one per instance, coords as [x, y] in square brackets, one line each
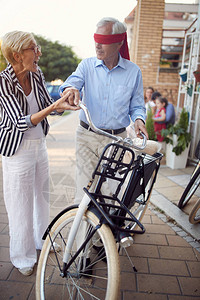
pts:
[121, 43]
[17, 57]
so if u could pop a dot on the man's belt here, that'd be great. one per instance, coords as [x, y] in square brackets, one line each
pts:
[114, 131]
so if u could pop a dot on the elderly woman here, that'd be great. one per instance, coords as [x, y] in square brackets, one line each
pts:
[24, 106]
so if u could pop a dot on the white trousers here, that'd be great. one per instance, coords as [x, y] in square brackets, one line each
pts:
[26, 196]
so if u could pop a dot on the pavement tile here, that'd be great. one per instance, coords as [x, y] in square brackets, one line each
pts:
[128, 281]
[146, 219]
[143, 296]
[174, 297]
[2, 226]
[15, 290]
[4, 240]
[163, 181]
[177, 253]
[151, 239]
[156, 220]
[180, 179]
[4, 218]
[194, 268]
[158, 284]
[5, 230]
[140, 263]
[165, 171]
[4, 254]
[175, 240]
[143, 250]
[168, 267]
[162, 229]
[5, 270]
[149, 212]
[3, 209]
[190, 286]
[172, 193]
[17, 276]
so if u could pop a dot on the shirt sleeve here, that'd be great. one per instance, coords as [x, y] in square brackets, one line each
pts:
[10, 104]
[137, 105]
[76, 79]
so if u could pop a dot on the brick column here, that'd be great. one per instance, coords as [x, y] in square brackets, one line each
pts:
[147, 38]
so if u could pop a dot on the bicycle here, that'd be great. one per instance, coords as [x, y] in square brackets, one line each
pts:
[91, 234]
[194, 216]
[193, 183]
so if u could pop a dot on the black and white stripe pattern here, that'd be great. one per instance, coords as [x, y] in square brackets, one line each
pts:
[14, 108]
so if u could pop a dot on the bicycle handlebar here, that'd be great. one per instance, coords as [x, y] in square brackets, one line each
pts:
[127, 141]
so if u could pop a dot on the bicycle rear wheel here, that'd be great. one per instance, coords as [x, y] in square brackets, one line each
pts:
[190, 189]
[194, 216]
[103, 283]
[141, 202]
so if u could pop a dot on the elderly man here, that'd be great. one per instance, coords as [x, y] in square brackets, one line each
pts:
[112, 89]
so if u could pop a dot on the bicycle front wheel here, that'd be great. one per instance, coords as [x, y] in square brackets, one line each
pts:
[194, 216]
[100, 281]
[190, 189]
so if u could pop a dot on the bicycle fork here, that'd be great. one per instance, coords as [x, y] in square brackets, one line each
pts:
[72, 235]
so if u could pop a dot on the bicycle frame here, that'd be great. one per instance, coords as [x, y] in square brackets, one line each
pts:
[88, 197]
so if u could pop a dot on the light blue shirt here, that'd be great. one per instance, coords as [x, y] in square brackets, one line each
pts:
[111, 96]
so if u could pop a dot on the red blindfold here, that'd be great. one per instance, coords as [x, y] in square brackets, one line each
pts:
[114, 38]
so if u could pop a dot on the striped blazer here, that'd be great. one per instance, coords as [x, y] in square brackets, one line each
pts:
[14, 107]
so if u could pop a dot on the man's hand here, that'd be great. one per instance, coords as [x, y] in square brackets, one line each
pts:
[140, 127]
[72, 95]
[63, 103]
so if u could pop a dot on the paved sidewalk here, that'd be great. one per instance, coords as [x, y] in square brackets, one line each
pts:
[166, 256]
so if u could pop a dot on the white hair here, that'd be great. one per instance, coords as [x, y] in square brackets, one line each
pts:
[118, 27]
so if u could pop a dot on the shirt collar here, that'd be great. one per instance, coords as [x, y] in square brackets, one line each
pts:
[120, 63]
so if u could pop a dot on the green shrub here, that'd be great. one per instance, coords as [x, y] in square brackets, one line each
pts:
[150, 125]
[181, 130]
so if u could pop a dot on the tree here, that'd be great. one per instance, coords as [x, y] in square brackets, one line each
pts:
[57, 61]
[2, 60]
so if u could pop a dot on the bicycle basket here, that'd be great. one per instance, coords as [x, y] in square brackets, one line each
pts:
[197, 152]
[134, 175]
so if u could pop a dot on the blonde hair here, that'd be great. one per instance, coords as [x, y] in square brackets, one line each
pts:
[15, 41]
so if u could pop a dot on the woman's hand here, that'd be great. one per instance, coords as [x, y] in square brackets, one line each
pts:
[69, 100]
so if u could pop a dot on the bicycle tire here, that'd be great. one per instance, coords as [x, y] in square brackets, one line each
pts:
[103, 284]
[194, 216]
[190, 188]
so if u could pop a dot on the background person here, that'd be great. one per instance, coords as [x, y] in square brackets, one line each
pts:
[170, 113]
[24, 106]
[160, 116]
[113, 93]
[149, 103]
